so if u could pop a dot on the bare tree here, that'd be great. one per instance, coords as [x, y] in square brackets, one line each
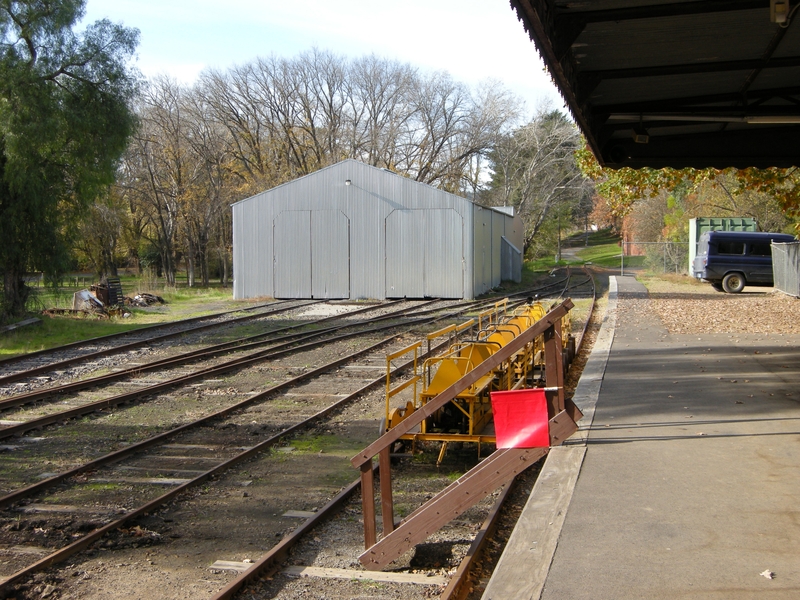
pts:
[287, 118]
[157, 171]
[535, 170]
[258, 125]
[379, 107]
[211, 191]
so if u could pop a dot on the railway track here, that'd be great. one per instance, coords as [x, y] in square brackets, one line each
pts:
[258, 578]
[61, 357]
[202, 453]
[249, 351]
[116, 456]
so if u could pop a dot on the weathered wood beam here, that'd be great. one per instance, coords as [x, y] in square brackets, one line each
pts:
[499, 468]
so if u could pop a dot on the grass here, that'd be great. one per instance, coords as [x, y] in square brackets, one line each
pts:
[603, 250]
[605, 255]
[57, 331]
[327, 444]
[101, 487]
[182, 303]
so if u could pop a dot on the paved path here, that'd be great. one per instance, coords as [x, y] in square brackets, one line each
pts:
[690, 483]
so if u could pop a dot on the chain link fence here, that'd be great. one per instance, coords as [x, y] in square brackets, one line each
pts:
[658, 257]
[786, 267]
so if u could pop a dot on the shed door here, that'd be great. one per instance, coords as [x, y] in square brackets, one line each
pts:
[330, 254]
[311, 254]
[424, 254]
[444, 254]
[404, 254]
[292, 254]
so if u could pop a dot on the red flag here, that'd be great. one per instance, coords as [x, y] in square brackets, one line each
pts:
[520, 419]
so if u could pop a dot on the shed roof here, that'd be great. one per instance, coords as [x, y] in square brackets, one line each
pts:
[506, 210]
[701, 83]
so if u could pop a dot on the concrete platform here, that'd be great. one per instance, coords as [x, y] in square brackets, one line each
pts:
[684, 481]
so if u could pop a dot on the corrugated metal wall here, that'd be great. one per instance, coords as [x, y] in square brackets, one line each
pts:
[404, 253]
[381, 236]
[277, 253]
[311, 254]
[490, 226]
[291, 254]
[330, 254]
[498, 229]
[425, 253]
[511, 261]
[482, 249]
[786, 267]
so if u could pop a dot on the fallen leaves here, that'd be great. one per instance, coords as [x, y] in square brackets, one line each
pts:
[697, 311]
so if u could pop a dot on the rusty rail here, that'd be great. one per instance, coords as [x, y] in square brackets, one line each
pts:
[20, 357]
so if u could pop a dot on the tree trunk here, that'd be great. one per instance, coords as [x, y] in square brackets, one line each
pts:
[190, 258]
[223, 257]
[168, 264]
[15, 294]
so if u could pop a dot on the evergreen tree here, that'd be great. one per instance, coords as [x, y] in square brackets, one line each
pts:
[64, 122]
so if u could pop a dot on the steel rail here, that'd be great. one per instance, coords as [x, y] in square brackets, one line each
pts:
[278, 551]
[268, 563]
[5, 379]
[456, 590]
[117, 455]
[127, 397]
[98, 533]
[208, 352]
[52, 366]
[275, 351]
[590, 313]
[110, 336]
[82, 543]
[21, 357]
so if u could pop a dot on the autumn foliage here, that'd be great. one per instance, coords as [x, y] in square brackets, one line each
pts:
[623, 187]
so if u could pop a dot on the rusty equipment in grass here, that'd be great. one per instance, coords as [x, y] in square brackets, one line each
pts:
[466, 418]
[499, 468]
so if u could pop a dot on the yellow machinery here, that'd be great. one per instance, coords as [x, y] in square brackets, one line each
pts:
[466, 416]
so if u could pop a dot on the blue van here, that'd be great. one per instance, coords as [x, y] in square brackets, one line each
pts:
[729, 260]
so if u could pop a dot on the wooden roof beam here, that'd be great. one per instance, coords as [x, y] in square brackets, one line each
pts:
[570, 24]
[692, 68]
[671, 104]
[654, 11]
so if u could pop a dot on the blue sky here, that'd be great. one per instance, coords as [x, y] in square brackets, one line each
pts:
[474, 40]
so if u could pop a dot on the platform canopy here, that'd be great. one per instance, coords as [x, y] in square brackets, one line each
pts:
[666, 83]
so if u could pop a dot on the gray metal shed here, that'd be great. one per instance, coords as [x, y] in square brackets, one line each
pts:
[355, 231]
